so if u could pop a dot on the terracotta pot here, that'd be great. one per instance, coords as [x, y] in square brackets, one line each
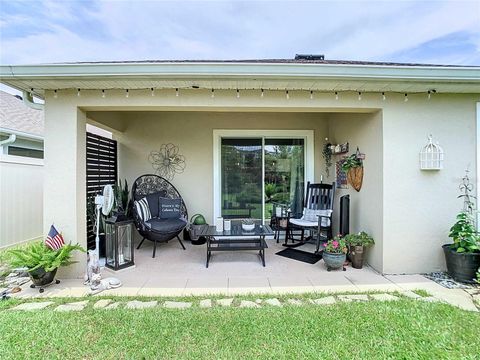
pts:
[355, 177]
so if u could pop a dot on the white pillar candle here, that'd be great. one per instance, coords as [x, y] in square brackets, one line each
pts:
[278, 211]
[219, 224]
[227, 225]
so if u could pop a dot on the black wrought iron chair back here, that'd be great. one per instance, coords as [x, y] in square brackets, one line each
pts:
[318, 196]
[150, 184]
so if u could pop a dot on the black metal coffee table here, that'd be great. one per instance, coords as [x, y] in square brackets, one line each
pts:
[236, 239]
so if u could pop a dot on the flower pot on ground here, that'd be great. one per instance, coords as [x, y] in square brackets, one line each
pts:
[334, 253]
[463, 256]
[357, 244]
[41, 261]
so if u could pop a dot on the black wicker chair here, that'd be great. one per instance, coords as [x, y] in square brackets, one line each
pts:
[158, 230]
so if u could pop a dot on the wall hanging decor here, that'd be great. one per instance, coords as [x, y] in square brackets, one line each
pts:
[353, 166]
[431, 156]
[341, 176]
[167, 161]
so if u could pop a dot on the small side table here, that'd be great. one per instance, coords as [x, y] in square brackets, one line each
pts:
[278, 224]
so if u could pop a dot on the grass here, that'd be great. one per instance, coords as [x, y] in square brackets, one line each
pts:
[422, 292]
[403, 329]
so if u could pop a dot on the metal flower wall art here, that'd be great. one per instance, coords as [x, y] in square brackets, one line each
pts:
[167, 161]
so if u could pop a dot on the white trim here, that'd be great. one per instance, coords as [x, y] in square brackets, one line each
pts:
[23, 160]
[218, 134]
[478, 158]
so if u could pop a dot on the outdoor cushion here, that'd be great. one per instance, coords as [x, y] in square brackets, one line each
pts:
[142, 209]
[169, 208]
[304, 223]
[153, 202]
[311, 215]
[166, 225]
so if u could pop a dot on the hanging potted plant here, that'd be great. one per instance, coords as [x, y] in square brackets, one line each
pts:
[352, 165]
[41, 261]
[334, 253]
[463, 256]
[327, 156]
[357, 243]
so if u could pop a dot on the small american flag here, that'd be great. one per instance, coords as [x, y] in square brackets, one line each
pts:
[54, 240]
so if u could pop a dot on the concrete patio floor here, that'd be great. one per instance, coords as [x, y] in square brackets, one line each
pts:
[175, 272]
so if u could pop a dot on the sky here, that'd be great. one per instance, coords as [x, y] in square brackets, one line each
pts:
[439, 32]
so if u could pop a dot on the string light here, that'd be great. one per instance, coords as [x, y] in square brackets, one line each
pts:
[336, 95]
[176, 92]
[261, 94]
[213, 93]
[383, 96]
[406, 97]
[152, 91]
[78, 92]
[103, 94]
[238, 94]
[311, 94]
[55, 95]
[287, 95]
[126, 93]
[31, 92]
[359, 95]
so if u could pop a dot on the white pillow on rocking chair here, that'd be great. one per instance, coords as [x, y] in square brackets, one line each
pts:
[312, 215]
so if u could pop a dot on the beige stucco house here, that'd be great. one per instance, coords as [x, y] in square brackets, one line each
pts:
[387, 110]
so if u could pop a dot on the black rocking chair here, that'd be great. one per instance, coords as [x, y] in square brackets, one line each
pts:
[317, 215]
[155, 229]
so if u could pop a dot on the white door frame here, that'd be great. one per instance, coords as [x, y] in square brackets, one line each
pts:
[218, 134]
[478, 160]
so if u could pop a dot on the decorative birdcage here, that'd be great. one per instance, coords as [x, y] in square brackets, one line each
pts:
[431, 156]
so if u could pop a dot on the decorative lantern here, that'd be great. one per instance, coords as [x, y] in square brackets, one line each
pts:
[118, 243]
[431, 156]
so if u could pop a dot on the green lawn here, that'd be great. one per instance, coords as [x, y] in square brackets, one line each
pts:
[405, 329]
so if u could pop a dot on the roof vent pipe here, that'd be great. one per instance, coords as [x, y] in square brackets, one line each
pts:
[28, 100]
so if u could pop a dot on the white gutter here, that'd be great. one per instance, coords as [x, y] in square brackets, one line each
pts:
[28, 100]
[11, 139]
[21, 134]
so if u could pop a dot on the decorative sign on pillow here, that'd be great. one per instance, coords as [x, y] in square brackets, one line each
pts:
[169, 208]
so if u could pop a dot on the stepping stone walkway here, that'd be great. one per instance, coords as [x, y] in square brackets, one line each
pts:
[225, 302]
[75, 306]
[177, 305]
[411, 294]
[100, 304]
[273, 302]
[349, 298]
[33, 306]
[384, 297]
[248, 304]
[113, 306]
[328, 300]
[207, 303]
[430, 299]
[295, 302]
[135, 304]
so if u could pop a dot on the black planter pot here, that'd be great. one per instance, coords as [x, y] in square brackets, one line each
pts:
[40, 277]
[461, 266]
[356, 255]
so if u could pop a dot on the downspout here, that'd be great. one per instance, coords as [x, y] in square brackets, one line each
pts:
[28, 100]
[10, 140]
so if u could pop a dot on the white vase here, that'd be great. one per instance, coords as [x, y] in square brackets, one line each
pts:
[227, 225]
[219, 224]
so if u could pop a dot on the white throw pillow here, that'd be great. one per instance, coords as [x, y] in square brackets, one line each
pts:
[312, 215]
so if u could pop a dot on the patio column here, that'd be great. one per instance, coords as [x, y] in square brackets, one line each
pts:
[65, 177]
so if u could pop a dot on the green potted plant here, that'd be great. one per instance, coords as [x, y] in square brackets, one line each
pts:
[463, 256]
[334, 253]
[41, 261]
[352, 165]
[357, 243]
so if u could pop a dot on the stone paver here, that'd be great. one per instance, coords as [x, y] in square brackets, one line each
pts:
[411, 294]
[259, 301]
[429, 299]
[356, 297]
[207, 303]
[33, 306]
[384, 297]
[225, 302]
[177, 305]
[273, 302]
[100, 304]
[113, 306]
[248, 304]
[327, 300]
[75, 306]
[135, 304]
[295, 302]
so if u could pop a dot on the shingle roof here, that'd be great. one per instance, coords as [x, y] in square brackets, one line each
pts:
[15, 115]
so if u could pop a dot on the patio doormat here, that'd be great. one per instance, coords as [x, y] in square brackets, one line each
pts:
[300, 255]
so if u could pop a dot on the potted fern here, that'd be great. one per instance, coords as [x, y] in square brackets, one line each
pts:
[41, 261]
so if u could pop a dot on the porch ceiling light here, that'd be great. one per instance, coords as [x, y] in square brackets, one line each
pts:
[261, 94]
[238, 94]
[78, 92]
[287, 95]
[383, 96]
[176, 92]
[213, 93]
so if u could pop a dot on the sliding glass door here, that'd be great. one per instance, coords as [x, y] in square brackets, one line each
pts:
[258, 172]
